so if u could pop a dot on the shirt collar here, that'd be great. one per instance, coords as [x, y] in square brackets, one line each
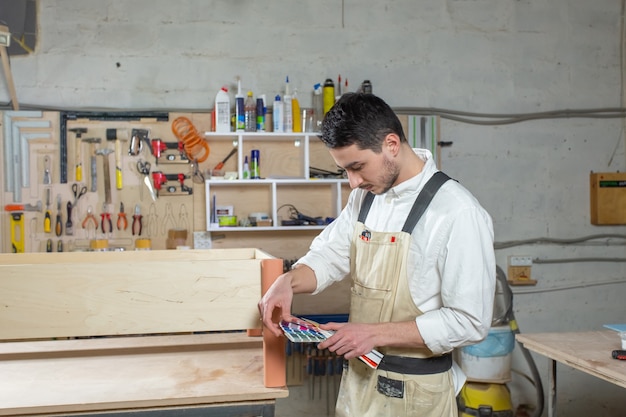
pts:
[414, 185]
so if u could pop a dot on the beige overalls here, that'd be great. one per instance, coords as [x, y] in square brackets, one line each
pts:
[380, 293]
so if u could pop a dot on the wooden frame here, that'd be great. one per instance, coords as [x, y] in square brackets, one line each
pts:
[102, 331]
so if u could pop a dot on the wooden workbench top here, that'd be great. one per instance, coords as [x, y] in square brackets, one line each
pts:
[131, 372]
[589, 352]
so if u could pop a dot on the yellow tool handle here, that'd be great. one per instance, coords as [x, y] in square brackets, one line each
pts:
[118, 178]
[17, 232]
[47, 227]
[79, 172]
[118, 165]
[58, 227]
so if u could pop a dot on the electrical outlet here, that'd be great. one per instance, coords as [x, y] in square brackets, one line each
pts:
[520, 270]
[520, 260]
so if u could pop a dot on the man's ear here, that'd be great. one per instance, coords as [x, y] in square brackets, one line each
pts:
[392, 144]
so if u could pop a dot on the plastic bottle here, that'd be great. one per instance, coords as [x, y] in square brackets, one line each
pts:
[287, 109]
[246, 169]
[240, 117]
[318, 107]
[278, 114]
[222, 111]
[295, 110]
[250, 113]
[329, 94]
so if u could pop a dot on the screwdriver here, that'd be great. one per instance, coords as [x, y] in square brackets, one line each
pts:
[221, 164]
[69, 226]
[47, 221]
[58, 228]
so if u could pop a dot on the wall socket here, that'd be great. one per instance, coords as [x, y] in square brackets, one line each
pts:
[519, 272]
[520, 260]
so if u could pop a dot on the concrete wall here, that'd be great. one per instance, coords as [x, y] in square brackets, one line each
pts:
[480, 56]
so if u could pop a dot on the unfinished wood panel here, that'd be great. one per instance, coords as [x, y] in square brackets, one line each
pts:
[589, 352]
[111, 374]
[90, 294]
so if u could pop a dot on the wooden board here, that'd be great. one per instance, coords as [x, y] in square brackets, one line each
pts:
[141, 372]
[115, 293]
[589, 352]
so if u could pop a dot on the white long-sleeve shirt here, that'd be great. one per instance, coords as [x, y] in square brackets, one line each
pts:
[451, 261]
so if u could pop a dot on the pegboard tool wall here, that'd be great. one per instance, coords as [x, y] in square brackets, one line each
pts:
[31, 162]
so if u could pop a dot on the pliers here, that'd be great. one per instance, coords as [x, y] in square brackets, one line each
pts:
[90, 217]
[137, 224]
[105, 222]
[122, 222]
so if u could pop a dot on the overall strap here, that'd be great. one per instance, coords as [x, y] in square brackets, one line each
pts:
[419, 207]
[423, 200]
[365, 206]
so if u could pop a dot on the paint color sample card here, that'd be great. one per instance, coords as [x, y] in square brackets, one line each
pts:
[616, 327]
[302, 332]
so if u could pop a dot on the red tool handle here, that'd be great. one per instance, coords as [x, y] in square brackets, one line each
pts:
[14, 207]
[137, 225]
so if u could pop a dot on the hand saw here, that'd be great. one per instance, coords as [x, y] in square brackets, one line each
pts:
[17, 232]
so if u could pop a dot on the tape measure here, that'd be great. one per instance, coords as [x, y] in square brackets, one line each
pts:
[17, 232]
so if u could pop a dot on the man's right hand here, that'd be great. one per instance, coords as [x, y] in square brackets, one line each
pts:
[301, 279]
[278, 296]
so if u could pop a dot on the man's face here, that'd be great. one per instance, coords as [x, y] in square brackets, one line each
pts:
[375, 172]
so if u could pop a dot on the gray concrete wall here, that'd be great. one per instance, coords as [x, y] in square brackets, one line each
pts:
[482, 56]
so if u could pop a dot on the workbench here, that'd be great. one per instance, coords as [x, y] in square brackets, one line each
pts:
[589, 352]
[154, 333]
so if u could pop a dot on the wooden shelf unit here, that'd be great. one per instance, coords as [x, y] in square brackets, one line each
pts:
[286, 160]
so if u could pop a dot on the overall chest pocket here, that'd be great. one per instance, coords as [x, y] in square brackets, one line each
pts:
[376, 271]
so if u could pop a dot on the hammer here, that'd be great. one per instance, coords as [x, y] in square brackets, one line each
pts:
[107, 174]
[94, 184]
[111, 135]
[79, 159]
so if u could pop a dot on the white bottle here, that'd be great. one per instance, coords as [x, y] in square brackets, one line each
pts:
[287, 109]
[277, 114]
[222, 111]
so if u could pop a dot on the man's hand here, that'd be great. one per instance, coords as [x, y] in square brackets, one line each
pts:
[278, 296]
[350, 339]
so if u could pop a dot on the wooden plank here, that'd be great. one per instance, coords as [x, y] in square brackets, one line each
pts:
[589, 352]
[274, 355]
[93, 294]
[222, 368]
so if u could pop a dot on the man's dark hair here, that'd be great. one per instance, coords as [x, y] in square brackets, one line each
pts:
[360, 119]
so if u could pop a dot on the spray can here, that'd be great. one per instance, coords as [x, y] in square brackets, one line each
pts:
[328, 93]
[255, 172]
[240, 110]
[260, 114]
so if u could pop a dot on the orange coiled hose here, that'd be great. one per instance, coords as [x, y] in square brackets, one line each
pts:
[195, 146]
